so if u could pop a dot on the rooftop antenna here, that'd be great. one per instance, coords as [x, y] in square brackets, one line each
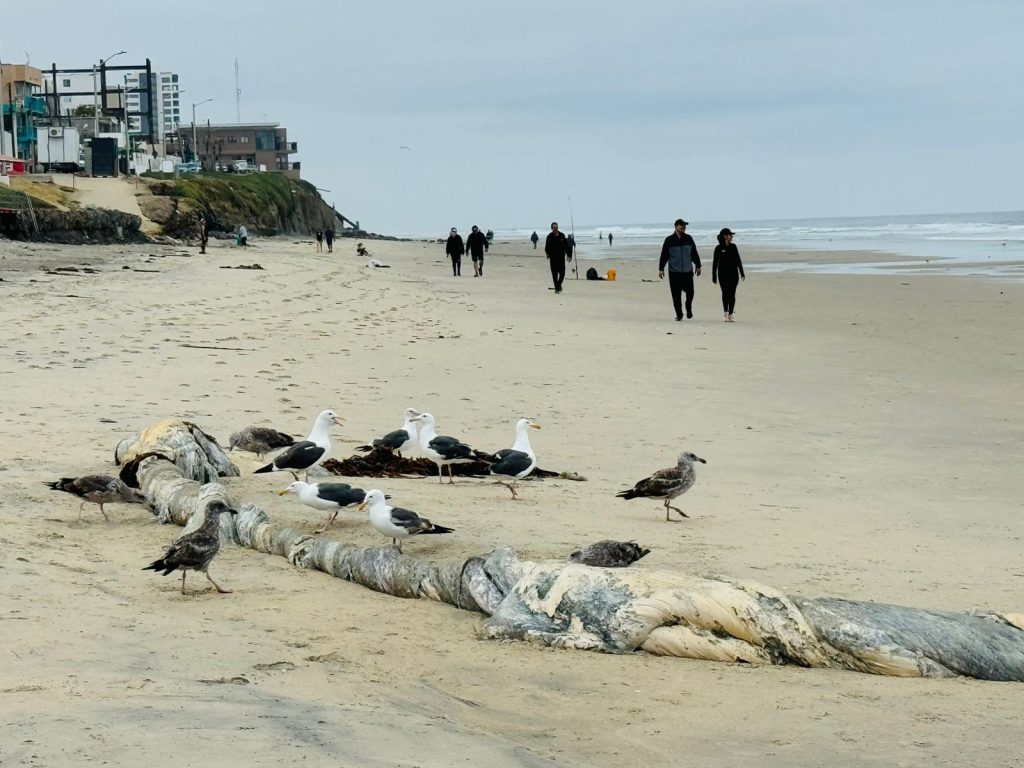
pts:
[238, 96]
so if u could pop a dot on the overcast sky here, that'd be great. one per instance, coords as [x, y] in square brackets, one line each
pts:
[640, 111]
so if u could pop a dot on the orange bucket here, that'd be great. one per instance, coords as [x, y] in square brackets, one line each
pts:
[611, 274]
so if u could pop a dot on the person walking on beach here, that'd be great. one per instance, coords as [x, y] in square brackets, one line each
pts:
[329, 239]
[535, 238]
[476, 244]
[679, 253]
[727, 271]
[203, 231]
[243, 235]
[319, 240]
[454, 248]
[556, 247]
[609, 239]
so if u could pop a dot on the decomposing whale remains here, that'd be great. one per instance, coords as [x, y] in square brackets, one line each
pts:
[620, 610]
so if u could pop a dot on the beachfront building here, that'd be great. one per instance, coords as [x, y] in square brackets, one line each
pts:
[260, 146]
[20, 107]
[163, 89]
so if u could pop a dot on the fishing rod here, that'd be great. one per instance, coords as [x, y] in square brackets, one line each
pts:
[572, 234]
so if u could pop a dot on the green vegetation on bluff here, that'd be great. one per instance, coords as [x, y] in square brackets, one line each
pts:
[267, 203]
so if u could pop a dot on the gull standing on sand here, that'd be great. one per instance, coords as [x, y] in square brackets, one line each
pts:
[194, 551]
[667, 484]
[306, 454]
[519, 460]
[330, 497]
[396, 522]
[402, 441]
[441, 449]
[260, 440]
[99, 489]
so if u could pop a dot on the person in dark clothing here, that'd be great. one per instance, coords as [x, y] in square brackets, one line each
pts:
[329, 239]
[203, 230]
[727, 271]
[455, 248]
[476, 244]
[609, 239]
[319, 240]
[535, 238]
[557, 249]
[679, 253]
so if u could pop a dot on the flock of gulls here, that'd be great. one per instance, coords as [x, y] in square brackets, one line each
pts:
[417, 438]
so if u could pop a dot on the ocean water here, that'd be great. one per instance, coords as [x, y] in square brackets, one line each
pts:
[961, 243]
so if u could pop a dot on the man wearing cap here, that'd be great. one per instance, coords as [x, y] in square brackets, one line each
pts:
[679, 253]
[455, 248]
[556, 248]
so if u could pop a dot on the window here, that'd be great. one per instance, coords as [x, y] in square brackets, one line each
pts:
[232, 139]
[67, 82]
[174, 78]
[265, 140]
[244, 140]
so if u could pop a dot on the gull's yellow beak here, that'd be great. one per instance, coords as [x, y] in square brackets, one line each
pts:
[282, 492]
[337, 420]
[534, 426]
[362, 506]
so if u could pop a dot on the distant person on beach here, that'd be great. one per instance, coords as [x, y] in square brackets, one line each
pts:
[490, 235]
[535, 238]
[609, 239]
[329, 239]
[454, 248]
[243, 235]
[556, 247]
[477, 244]
[203, 231]
[679, 253]
[727, 271]
[319, 240]
[361, 250]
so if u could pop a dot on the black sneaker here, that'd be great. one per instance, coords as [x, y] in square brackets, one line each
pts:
[689, 315]
[678, 318]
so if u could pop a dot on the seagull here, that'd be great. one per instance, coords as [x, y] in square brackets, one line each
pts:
[609, 554]
[195, 550]
[667, 484]
[442, 450]
[519, 460]
[99, 489]
[260, 440]
[407, 149]
[402, 441]
[331, 497]
[396, 522]
[308, 453]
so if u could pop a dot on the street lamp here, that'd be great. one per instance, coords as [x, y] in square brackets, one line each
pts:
[96, 94]
[195, 144]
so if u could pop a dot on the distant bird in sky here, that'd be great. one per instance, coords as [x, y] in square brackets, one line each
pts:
[99, 489]
[407, 149]
[667, 484]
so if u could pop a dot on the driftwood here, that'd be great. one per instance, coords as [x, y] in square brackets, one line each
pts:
[622, 610]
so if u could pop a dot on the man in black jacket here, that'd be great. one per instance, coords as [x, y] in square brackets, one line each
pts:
[557, 249]
[454, 248]
[476, 244]
[679, 252]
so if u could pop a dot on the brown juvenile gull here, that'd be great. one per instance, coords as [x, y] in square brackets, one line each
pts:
[609, 554]
[260, 440]
[396, 522]
[99, 489]
[667, 484]
[307, 453]
[195, 550]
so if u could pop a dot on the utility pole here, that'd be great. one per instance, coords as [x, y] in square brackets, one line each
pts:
[2, 140]
[238, 95]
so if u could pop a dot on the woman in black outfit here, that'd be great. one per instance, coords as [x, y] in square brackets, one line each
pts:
[727, 271]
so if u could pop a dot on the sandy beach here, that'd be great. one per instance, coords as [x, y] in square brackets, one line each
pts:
[863, 438]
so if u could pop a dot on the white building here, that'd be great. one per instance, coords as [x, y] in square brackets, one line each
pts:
[163, 92]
